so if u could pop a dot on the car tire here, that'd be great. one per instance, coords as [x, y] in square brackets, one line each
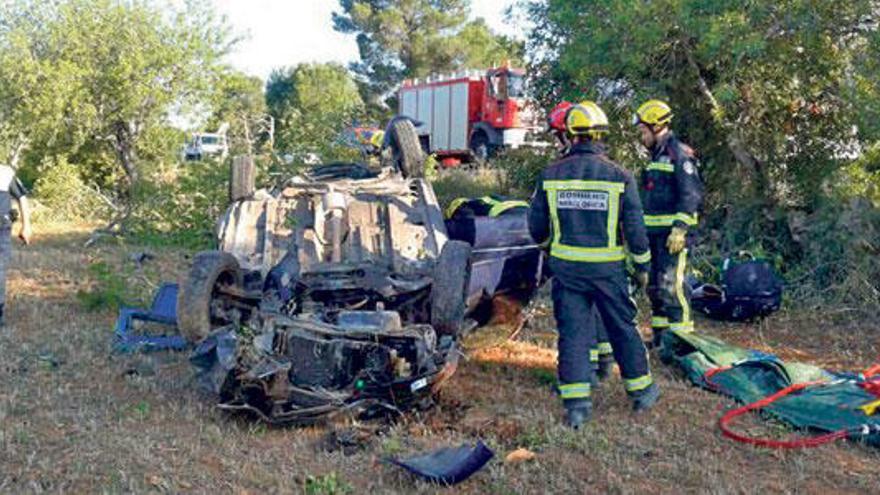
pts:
[408, 155]
[242, 178]
[197, 292]
[452, 274]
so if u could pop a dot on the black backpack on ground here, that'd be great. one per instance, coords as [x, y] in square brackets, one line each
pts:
[750, 289]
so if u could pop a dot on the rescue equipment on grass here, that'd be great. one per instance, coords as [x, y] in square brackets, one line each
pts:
[750, 288]
[834, 404]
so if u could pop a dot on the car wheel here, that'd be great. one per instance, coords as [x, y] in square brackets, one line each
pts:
[452, 274]
[406, 148]
[199, 303]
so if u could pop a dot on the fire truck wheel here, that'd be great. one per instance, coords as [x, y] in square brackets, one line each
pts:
[407, 150]
[481, 147]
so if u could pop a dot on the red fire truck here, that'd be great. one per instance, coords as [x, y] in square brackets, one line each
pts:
[470, 115]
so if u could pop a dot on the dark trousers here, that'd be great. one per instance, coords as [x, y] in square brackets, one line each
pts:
[669, 293]
[577, 336]
[5, 255]
[603, 352]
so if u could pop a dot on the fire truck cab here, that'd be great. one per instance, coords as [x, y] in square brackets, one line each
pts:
[470, 115]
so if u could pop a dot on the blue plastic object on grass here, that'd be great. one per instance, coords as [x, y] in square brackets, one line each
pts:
[163, 311]
[450, 465]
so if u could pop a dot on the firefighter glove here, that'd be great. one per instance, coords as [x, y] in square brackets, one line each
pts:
[642, 279]
[676, 240]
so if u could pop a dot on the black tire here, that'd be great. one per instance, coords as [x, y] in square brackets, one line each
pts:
[406, 148]
[242, 175]
[198, 290]
[452, 275]
[481, 147]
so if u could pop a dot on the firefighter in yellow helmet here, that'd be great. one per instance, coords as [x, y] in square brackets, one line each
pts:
[589, 210]
[672, 193]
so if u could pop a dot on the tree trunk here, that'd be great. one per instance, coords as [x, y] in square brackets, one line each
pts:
[124, 147]
[247, 135]
[740, 151]
[21, 144]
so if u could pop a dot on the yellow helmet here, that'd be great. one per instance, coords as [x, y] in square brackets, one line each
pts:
[654, 113]
[586, 119]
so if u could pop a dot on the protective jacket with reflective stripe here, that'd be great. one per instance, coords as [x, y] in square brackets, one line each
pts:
[672, 191]
[589, 209]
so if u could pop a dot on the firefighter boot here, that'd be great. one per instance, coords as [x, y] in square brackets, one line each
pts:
[646, 399]
[577, 413]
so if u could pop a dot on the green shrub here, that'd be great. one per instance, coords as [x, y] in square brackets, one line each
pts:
[828, 256]
[110, 289]
[180, 204]
[452, 184]
[522, 167]
[328, 484]
[62, 195]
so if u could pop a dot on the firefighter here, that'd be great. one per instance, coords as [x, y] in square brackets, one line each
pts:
[10, 188]
[582, 204]
[601, 356]
[671, 193]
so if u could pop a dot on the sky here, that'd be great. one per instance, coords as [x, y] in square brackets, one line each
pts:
[281, 33]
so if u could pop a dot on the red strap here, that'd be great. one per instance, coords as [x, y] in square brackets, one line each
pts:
[872, 371]
[724, 422]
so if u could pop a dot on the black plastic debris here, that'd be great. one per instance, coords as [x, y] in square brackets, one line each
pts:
[448, 466]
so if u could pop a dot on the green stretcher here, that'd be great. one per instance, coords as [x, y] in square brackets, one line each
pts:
[831, 404]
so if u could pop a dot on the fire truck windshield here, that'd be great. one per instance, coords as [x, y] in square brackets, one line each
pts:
[515, 86]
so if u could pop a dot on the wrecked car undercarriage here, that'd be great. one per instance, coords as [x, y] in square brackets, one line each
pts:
[336, 292]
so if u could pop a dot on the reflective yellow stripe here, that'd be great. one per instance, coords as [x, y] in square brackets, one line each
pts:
[501, 207]
[668, 220]
[659, 322]
[454, 206]
[687, 218]
[575, 391]
[584, 185]
[642, 258]
[605, 348]
[679, 287]
[640, 383]
[662, 167]
[587, 255]
[554, 215]
[594, 355]
[683, 327]
[613, 217]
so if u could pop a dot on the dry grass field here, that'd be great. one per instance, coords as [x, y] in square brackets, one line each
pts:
[76, 418]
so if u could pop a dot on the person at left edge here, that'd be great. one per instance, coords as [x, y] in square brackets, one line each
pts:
[10, 188]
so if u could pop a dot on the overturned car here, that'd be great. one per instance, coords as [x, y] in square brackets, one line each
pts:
[338, 291]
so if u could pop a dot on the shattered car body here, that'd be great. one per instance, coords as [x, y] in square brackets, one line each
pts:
[300, 371]
[337, 292]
